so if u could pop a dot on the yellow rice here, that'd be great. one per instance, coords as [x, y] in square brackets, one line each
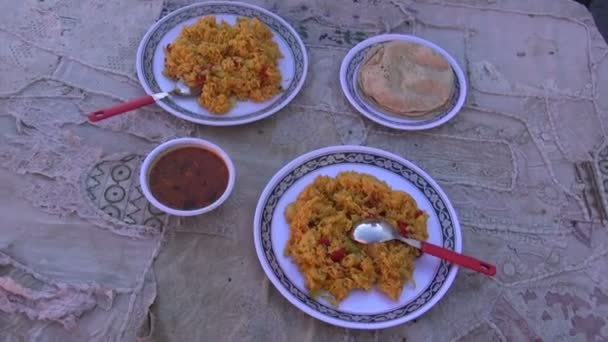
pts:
[229, 63]
[320, 221]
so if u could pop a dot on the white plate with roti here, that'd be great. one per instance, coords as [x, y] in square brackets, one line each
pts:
[403, 82]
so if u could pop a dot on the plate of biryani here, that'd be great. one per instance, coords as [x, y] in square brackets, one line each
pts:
[244, 63]
[403, 82]
[302, 228]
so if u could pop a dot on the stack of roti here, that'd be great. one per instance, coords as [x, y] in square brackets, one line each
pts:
[407, 79]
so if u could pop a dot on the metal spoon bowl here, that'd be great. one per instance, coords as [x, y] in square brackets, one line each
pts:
[182, 89]
[377, 231]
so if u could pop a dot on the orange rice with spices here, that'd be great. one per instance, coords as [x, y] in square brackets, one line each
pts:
[228, 62]
[320, 221]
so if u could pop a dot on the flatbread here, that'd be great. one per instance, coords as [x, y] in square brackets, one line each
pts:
[406, 79]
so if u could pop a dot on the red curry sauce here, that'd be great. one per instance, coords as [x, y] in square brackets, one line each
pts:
[188, 178]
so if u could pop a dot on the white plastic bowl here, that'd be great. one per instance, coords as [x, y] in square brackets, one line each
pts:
[176, 144]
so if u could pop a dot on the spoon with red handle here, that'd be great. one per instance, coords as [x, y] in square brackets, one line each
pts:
[378, 230]
[181, 89]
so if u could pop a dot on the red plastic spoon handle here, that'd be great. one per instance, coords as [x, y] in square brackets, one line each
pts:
[121, 108]
[459, 259]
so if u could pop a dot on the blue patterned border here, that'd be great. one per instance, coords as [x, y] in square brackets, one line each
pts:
[211, 8]
[396, 167]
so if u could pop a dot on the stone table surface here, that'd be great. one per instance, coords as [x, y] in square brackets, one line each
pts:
[83, 257]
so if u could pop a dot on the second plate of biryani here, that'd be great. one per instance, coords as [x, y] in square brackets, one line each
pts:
[242, 62]
[302, 232]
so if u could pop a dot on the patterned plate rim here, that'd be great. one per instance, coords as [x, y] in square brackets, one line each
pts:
[150, 41]
[348, 82]
[298, 168]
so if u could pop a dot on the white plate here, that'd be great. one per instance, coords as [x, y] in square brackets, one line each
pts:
[151, 56]
[360, 310]
[349, 73]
